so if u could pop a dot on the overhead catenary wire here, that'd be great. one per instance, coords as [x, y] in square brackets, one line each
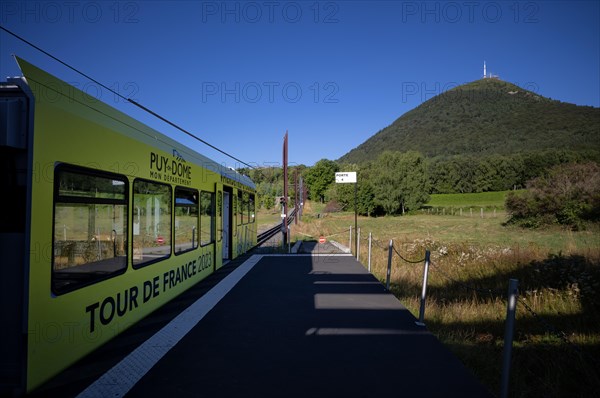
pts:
[186, 131]
[131, 101]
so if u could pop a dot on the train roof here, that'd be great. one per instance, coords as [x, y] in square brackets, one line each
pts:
[129, 126]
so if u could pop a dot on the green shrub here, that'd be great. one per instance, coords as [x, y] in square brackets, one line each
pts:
[568, 195]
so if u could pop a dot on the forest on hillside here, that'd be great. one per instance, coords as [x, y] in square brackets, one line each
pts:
[483, 118]
[396, 182]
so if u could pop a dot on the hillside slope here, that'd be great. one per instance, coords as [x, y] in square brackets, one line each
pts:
[485, 117]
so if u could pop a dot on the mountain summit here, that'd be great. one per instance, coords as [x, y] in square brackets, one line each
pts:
[485, 117]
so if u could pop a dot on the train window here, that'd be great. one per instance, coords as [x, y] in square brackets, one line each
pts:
[240, 209]
[151, 222]
[90, 227]
[245, 206]
[207, 218]
[251, 208]
[186, 220]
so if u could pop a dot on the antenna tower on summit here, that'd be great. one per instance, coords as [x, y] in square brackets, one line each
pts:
[484, 70]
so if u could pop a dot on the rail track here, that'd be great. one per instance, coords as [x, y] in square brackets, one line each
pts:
[271, 232]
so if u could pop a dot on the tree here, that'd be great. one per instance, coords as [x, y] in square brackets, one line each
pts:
[387, 182]
[320, 177]
[415, 182]
[268, 202]
[400, 181]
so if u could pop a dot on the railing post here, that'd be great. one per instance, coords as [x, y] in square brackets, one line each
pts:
[389, 268]
[289, 239]
[358, 246]
[511, 307]
[350, 240]
[370, 240]
[421, 321]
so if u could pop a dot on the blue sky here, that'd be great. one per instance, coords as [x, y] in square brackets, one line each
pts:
[239, 74]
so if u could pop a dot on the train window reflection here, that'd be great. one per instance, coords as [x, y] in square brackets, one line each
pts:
[207, 218]
[240, 208]
[251, 209]
[186, 220]
[151, 222]
[90, 227]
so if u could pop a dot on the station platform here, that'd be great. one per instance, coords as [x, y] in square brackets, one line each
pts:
[301, 325]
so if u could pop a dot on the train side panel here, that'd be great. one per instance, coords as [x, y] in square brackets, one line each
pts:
[112, 232]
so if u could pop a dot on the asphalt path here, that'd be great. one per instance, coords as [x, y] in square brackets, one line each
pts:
[308, 326]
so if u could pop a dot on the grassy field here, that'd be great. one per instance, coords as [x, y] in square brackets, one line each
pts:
[482, 199]
[472, 260]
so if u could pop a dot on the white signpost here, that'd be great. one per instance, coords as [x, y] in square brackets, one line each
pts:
[346, 177]
[349, 177]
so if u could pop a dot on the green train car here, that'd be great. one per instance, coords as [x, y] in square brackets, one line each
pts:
[104, 220]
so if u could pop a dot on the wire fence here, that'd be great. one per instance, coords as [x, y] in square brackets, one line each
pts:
[472, 212]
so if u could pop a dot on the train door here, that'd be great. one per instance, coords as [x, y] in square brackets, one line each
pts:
[16, 123]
